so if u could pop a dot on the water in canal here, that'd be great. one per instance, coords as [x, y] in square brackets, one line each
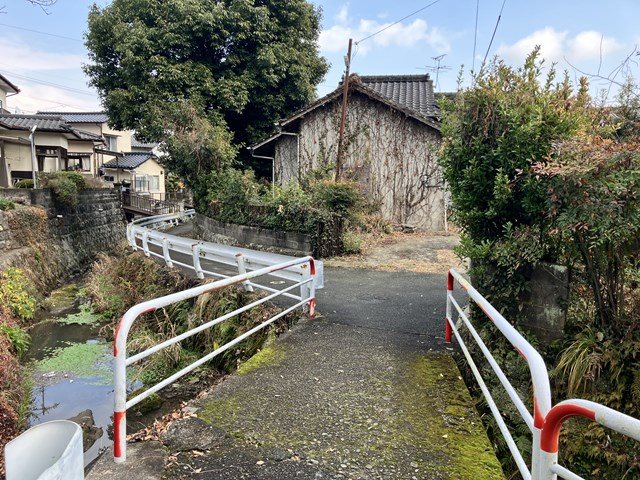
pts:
[72, 367]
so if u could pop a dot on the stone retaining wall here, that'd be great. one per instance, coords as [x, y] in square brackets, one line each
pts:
[289, 243]
[75, 235]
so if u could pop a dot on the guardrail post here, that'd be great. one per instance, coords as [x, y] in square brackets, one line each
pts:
[119, 396]
[165, 252]
[447, 325]
[242, 269]
[305, 289]
[145, 243]
[196, 247]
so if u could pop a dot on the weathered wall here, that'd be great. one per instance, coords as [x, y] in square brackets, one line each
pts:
[545, 304]
[392, 156]
[58, 241]
[289, 243]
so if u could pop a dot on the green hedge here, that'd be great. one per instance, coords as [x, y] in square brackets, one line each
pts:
[320, 209]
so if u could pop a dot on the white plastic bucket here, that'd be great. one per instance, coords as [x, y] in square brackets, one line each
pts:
[49, 451]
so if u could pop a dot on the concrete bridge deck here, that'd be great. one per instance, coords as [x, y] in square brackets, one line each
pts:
[364, 391]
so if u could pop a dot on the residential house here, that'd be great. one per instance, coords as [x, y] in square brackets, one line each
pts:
[123, 158]
[6, 89]
[53, 140]
[391, 142]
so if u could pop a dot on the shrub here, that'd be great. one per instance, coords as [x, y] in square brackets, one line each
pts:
[27, 183]
[6, 204]
[341, 197]
[16, 295]
[18, 338]
[65, 186]
[352, 243]
[319, 209]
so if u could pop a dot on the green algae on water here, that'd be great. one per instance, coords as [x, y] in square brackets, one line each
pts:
[63, 298]
[88, 360]
[85, 316]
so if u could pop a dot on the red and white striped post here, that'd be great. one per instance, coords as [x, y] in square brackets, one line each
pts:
[550, 434]
[447, 325]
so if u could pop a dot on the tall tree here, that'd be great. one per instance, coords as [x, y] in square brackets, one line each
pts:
[243, 62]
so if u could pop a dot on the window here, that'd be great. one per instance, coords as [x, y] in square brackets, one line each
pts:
[79, 163]
[142, 183]
[154, 182]
[112, 143]
[1, 105]
[108, 178]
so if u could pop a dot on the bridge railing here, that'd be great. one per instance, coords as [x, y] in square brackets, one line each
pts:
[306, 299]
[546, 421]
[149, 235]
[149, 204]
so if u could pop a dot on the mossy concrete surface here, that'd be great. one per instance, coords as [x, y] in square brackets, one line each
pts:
[337, 401]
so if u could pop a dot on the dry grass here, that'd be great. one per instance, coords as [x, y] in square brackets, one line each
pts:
[415, 252]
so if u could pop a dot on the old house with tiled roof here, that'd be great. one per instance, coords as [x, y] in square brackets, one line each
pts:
[57, 146]
[122, 157]
[391, 141]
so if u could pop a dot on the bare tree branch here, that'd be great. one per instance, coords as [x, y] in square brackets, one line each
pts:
[43, 4]
[611, 78]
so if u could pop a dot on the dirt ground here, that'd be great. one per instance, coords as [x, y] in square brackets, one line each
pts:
[414, 252]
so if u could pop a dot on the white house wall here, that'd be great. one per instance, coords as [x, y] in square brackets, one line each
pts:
[393, 158]
[18, 156]
[151, 167]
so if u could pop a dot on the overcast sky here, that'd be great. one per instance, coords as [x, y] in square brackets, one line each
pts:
[589, 35]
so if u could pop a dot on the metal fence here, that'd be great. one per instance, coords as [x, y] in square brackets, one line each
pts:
[149, 205]
[302, 274]
[149, 235]
[546, 421]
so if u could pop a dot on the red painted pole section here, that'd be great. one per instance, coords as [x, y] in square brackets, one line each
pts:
[447, 326]
[554, 420]
[117, 433]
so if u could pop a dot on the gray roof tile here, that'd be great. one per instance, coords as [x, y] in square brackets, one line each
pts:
[135, 143]
[79, 117]
[129, 160]
[414, 92]
[25, 122]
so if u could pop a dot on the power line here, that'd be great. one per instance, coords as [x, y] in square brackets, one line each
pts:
[66, 79]
[396, 22]
[495, 29]
[41, 32]
[51, 84]
[475, 38]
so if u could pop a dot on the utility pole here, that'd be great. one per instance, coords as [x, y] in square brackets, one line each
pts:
[343, 119]
[34, 161]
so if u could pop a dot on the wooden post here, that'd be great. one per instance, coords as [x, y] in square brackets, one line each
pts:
[345, 92]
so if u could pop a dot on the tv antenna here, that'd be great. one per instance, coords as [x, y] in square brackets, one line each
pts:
[437, 67]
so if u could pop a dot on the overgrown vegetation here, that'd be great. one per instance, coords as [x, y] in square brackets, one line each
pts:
[26, 183]
[539, 173]
[6, 204]
[318, 207]
[17, 305]
[16, 294]
[115, 284]
[65, 186]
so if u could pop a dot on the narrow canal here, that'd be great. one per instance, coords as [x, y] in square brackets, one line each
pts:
[71, 366]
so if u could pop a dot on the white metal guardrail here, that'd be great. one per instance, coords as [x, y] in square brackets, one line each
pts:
[546, 421]
[148, 234]
[306, 284]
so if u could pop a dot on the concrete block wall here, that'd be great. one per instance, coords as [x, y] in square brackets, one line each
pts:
[289, 243]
